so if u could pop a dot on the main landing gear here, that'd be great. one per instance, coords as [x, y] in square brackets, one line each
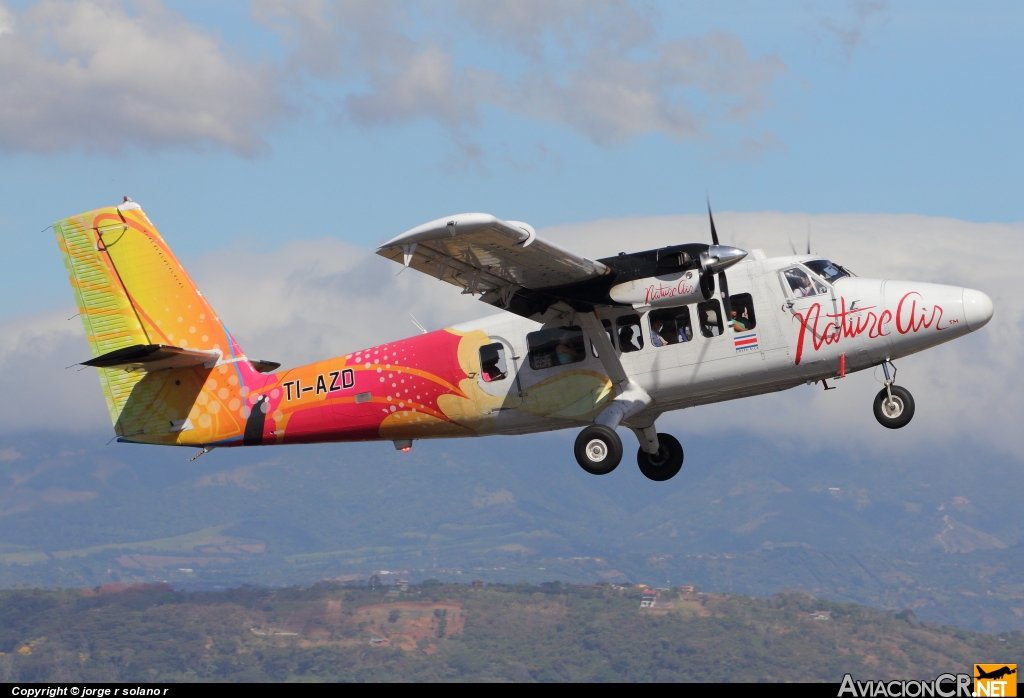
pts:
[894, 405]
[599, 451]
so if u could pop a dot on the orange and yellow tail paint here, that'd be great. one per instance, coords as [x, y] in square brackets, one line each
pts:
[131, 290]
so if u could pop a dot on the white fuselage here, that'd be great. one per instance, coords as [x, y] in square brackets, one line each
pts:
[790, 339]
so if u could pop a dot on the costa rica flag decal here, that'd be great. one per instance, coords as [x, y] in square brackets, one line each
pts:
[746, 341]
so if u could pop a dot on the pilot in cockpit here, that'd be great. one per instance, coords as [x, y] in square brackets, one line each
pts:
[800, 283]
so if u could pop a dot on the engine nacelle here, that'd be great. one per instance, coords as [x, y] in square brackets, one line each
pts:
[664, 291]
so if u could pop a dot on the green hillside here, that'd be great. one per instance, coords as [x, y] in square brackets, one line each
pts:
[437, 632]
[925, 534]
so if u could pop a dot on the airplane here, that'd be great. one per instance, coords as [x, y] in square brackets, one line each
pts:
[579, 343]
[995, 673]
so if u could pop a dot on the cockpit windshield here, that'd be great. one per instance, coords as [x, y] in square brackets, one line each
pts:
[827, 270]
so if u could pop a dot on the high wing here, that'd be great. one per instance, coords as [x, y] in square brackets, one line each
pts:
[503, 261]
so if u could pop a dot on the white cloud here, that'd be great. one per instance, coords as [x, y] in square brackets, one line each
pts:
[104, 75]
[599, 68]
[91, 74]
[318, 298]
[6, 21]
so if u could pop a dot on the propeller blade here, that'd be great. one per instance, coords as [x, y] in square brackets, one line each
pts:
[714, 233]
[808, 237]
[792, 247]
[726, 302]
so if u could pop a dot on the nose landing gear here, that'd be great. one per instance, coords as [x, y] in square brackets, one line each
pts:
[894, 405]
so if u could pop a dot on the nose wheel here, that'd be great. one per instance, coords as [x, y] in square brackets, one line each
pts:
[894, 405]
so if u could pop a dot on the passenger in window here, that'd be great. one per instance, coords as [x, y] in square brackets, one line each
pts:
[555, 346]
[742, 312]
[565, 351]
[739, 323]
[685, 333]
[630, 338]
[656, 328]
[626, 339]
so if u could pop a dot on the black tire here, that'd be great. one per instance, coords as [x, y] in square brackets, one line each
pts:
[666, 463]
[598, 449]
[902, 411]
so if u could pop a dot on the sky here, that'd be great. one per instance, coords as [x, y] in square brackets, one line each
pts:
[299, 135]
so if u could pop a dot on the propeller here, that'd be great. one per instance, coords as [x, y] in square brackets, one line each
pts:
[716, 255]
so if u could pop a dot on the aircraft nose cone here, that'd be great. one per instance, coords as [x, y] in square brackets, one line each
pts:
[977, 309]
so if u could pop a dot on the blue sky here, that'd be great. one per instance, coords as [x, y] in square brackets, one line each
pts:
[895, 107]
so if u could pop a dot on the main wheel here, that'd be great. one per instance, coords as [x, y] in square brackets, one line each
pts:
[665, 463]
[899, 412]
[598, 449]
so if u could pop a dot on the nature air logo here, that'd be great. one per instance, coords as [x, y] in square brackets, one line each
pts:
[995, 680]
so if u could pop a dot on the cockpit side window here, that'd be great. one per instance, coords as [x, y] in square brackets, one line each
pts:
[827, 270]
[800, 283]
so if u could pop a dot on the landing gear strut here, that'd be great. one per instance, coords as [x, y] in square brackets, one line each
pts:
[664, 464]
[894, 405]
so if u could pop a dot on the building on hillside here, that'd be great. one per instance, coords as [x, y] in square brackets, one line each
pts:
[648, 598]
[686, 590]
[478, 584]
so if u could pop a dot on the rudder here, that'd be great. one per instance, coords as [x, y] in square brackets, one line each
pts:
[131, 291]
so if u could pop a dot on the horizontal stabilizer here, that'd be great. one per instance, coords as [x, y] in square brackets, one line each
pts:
[265, 366]
[152, 357]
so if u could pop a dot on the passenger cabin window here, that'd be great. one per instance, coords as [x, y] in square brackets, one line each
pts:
[630, 336]
[492, 362]
[742, 307]
[827, 270]
[800, 283]
[611, 337]
[556, 346]
[709, 315]
[670, 326]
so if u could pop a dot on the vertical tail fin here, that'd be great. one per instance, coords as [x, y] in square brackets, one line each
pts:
[131, 291]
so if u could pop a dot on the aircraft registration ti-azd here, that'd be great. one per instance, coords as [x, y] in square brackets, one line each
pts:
[590, 344]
